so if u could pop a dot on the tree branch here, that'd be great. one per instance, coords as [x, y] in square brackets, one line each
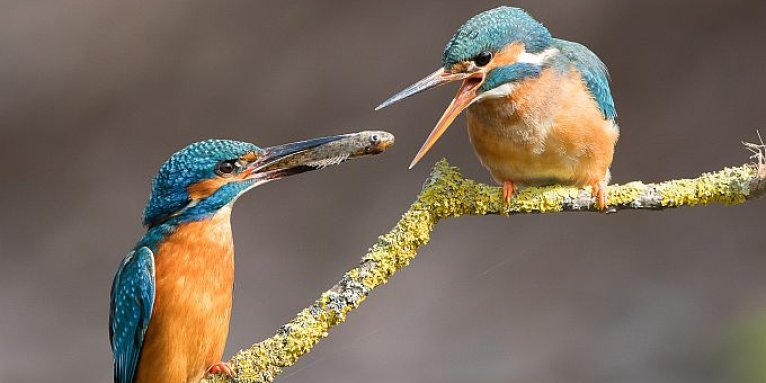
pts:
[447, 194]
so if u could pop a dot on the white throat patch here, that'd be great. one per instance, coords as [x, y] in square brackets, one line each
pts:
[501, 91]
[506, 89]
[536, 58]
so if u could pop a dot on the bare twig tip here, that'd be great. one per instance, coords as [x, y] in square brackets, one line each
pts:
[759, 154]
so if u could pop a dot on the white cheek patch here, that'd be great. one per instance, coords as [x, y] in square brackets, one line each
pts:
[506, 89]
[501, 91]
[536, 58]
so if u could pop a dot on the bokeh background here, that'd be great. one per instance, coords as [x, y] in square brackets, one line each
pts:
[95, 95]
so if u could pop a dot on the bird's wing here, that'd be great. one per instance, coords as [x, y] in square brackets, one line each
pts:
[130, 311]
[593, 72]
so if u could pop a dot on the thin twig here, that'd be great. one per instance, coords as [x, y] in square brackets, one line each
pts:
[759, 154]
[447, 194]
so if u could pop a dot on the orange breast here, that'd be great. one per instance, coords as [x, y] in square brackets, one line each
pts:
[190, 322]
[549, 130]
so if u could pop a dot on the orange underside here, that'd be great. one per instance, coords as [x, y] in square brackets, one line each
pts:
[190, 322]
[550, 130]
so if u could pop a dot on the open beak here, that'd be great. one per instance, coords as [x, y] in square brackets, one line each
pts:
[298, 157]
[464, 98]
[434, 80]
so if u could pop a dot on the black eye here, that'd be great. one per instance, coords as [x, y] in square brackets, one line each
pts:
[375, 139]
[226, 168]
[483, 58]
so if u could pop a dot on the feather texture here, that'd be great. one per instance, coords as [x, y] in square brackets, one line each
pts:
[593, 72]
[132, 302]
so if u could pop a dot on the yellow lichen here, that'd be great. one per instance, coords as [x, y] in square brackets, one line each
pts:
[625, 194]
[446, 194]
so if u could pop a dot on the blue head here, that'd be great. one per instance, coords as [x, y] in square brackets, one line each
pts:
[490, 52]
[200, 179]
[206, 176]
[493, 31]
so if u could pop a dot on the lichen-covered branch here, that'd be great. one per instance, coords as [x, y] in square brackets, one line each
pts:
[447, 194]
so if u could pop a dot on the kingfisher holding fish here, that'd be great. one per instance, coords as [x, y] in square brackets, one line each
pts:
[539, 109]
[172, 295]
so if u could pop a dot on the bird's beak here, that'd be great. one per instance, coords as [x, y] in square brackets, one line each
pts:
[434, 80]
[464, 98]
[298, 157]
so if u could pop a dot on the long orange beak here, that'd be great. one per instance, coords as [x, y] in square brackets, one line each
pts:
[433, 80]
[464, 98]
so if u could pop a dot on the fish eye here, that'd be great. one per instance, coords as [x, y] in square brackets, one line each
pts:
[227, 168]
[375, 139]
[483, 58]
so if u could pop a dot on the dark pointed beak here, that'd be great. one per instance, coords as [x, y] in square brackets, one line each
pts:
[434, 80]
[298, 157]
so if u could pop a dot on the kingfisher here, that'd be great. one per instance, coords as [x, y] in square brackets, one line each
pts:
[539, 108]
[172, 294]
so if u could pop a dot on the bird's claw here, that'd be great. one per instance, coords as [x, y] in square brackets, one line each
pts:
[509, 189]
[599, 191]
[221, 368]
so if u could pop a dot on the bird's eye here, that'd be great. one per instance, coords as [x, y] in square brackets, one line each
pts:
[226, 168]
[483, 58]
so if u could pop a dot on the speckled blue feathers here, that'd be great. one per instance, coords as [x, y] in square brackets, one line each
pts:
[493, 30]
[593, 71]
[132, 300]
[191, 164]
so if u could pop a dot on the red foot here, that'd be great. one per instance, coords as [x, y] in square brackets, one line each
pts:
[599, 190]
[509, 188]
[221, 368]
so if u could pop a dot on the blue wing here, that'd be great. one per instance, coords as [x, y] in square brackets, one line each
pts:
[130, 311]
[593, 72]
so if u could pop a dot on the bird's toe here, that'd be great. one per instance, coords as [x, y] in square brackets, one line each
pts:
[509, 189]
[599, 190]
[221, 368]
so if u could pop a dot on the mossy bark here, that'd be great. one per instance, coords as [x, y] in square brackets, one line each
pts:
[448, 194]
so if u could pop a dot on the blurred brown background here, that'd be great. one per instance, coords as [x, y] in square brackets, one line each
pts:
[94, 95]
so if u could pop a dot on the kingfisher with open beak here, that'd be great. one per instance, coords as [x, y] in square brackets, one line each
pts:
[172, 295]
[539, 109]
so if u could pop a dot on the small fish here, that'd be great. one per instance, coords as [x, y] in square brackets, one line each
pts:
[337, 149]
[321, 164]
